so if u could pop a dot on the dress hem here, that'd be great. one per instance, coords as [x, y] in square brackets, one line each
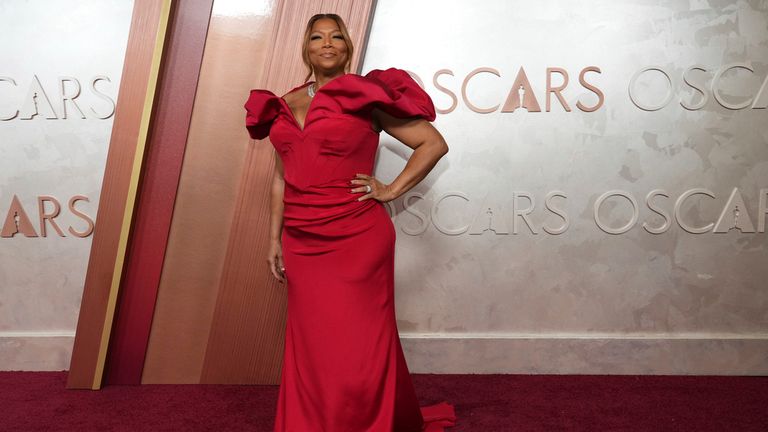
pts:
[437, 417]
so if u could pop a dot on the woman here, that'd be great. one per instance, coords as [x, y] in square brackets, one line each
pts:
[332, 240]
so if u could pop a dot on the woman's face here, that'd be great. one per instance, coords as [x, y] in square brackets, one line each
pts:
[327, 48]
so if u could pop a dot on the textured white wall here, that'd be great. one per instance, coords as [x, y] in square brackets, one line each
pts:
[584, 301]
[41, 279]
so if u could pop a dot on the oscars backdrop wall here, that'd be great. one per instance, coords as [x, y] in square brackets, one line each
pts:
[60, 67]
[602, 208]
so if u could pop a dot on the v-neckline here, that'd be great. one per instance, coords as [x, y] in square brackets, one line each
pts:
[302, 127]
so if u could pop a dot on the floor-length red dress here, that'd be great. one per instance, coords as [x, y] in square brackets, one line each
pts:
[343, 365]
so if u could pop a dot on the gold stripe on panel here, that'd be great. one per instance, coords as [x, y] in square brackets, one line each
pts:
[132, 187]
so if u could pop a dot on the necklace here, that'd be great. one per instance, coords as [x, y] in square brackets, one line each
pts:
[311, 89]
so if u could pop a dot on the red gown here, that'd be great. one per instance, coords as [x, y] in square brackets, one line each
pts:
[343, 365]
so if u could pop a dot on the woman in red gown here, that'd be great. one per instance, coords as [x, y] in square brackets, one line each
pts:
[333, 240]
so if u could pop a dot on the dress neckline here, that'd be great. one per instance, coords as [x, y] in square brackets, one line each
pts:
[302, 127]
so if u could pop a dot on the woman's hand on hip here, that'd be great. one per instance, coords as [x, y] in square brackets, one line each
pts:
[275, 261]
[378, 190]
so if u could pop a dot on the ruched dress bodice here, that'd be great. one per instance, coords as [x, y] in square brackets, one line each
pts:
[336, 143]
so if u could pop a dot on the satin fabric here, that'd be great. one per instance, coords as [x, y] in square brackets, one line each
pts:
[343, 365]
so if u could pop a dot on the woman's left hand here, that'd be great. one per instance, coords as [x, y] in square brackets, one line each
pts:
[379, 191]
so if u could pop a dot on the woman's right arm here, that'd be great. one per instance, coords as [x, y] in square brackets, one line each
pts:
[275, 254]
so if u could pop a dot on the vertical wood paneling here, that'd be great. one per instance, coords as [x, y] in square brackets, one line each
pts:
[248, 324]
[157, 194]
[115, 210]
[217, 145]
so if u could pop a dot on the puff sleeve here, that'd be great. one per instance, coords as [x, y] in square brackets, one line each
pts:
[401, 96]
[261, 109]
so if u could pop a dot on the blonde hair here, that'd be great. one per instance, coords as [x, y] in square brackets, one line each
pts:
[344, 33]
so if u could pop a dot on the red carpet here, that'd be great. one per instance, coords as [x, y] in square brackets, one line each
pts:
[38, 401]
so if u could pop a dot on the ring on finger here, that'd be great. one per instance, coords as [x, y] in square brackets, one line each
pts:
[368, 188]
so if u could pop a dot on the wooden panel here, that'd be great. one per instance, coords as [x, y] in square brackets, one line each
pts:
[157, 192]
[124, 158]
[236, 47]
[248, 324]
